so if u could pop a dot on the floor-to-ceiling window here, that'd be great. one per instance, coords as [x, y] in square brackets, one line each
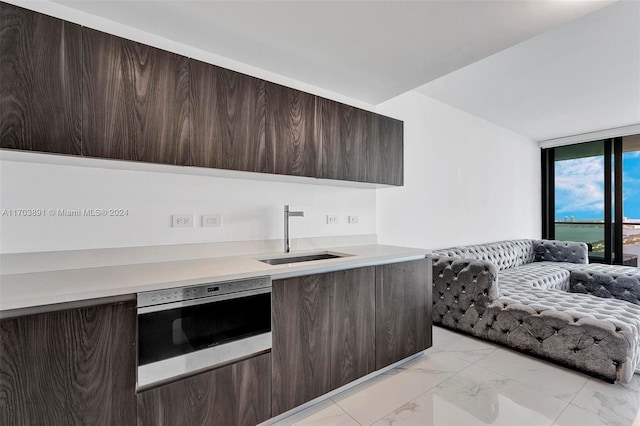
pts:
[631, 198]
[579, 213]
[591, 193]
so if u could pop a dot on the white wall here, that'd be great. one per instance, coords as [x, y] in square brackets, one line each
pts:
[466, 180]
[251, 210]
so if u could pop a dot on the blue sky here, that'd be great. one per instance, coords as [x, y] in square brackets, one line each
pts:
[580, 187]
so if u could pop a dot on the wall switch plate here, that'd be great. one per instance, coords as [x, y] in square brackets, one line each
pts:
[182, 221]
[332, 219]
[353, 218]
[211, 220]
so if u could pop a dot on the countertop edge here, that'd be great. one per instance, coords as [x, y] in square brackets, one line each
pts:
[57, 302]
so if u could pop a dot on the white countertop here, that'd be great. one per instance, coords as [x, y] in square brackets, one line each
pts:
[44, 288]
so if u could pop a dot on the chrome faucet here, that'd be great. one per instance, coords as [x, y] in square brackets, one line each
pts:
[287, 215]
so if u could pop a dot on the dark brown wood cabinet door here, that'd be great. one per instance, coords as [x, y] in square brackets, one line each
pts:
[300, 322]
[346, 133]
[352, 325]
[237, 394]
[227, 119]
[385, 154]
[40, 84]
[135, 101]
[403, 310]
[69, 367]
[293, 137]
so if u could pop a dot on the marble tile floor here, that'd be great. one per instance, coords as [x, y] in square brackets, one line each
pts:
[466, 381]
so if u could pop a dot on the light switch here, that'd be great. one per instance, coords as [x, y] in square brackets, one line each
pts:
[332, 219]
[211, 220]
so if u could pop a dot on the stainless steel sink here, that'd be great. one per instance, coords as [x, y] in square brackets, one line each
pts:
[310, 257]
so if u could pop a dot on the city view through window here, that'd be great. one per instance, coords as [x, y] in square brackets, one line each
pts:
[580, 205]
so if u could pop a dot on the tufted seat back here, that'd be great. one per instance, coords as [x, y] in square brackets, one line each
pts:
[503, 254]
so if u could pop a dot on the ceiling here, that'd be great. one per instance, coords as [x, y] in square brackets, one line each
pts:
[579, 78]
[367, 50]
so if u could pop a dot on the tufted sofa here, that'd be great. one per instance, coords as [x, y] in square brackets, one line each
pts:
[539, 296]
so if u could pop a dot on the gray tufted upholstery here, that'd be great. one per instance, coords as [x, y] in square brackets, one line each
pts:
[623, 285]
[503, 254]
[561, 251]
[538, 275]
[526, 308]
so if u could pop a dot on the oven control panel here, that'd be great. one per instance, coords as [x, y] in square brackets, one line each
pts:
[158, 297]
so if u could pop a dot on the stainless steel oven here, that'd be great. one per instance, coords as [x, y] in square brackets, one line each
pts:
[185, 330]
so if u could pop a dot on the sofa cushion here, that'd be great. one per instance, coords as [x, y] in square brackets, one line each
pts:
[607, 281]
[561, 251]
[537, 275]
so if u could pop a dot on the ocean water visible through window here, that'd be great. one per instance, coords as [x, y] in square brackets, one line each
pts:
[592, 195]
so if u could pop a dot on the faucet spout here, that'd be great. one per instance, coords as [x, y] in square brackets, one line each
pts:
[287, 215]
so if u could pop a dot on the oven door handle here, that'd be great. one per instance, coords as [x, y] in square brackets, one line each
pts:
[202, 300]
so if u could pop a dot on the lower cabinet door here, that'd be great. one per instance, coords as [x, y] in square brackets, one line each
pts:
[323, 334]
[237, 394]
[71, 367]
[353, 338]
[300, 322]
[403, 310]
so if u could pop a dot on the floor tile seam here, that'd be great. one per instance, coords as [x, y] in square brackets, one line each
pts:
[346, 412]
[531, 387]
[423, 393]
[583, 408]
[480, 359]
[571, 403]
[454, 353]
[413, 398]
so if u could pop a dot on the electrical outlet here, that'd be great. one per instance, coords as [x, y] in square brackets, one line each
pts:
[211, 220]
[353, 218]
[332, 219]
[182, 221]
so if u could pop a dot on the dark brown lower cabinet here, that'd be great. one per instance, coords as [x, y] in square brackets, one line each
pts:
[300, 313]
[323, 334]
[353, 336]
[237, 394]
[403, 310]
[73, 367]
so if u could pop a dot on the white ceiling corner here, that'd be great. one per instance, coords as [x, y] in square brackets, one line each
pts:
[580, 78]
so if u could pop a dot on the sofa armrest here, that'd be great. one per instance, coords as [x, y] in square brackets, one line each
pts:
[606, 285]
[462, 290]
[561, 251]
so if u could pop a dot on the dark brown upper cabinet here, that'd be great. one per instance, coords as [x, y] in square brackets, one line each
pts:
[227, 119]
[135, 101]
[385, 152]
[346, 133]
[72, 90]
[293, 134]
[40, 85]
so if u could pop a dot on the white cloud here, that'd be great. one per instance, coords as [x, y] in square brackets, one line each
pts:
[580, 186]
